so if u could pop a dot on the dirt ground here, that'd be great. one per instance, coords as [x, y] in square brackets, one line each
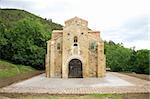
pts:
[141, 76]
[10, 80]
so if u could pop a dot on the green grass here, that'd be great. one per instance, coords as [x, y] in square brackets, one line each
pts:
[92, 96]
[8, 69]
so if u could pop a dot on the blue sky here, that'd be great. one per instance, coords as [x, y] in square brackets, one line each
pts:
[123, 21]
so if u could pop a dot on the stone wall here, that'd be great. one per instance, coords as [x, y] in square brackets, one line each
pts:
[58, 57]
[88, 48]
[93, 64]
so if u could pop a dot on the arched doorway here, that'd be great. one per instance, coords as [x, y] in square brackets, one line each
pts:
[75, 69]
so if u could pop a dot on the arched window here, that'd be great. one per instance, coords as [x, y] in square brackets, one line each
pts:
[75, 39]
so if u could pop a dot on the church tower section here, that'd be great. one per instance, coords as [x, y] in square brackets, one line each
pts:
[75, 51]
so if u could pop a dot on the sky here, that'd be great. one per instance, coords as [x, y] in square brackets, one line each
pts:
[122, 21]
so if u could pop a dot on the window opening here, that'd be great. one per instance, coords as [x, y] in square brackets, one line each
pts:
[75, 39]
[58, 46]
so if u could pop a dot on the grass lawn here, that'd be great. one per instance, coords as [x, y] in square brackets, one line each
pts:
[8, 69]
[12, 73]
[92, 96]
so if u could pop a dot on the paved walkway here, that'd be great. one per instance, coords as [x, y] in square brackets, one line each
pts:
[112, 83]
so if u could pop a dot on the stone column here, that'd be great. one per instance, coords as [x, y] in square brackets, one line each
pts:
[64, 65]
[86, 69]
[47, 61]
[103, 60]
[85, 62]
[100, 59]
[104, 65]
[64, 71]
[52, 59]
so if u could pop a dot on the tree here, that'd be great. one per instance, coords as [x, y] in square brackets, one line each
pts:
[3, 40]
[117, 56]
[27, 43]
[142, 61]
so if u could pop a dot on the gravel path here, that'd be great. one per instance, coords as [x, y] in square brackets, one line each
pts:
[112, 83]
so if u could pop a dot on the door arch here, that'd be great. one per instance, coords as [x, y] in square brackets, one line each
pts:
[75, 69]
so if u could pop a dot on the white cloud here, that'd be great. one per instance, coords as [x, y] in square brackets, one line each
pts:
[105, 15]
[139, 44]
[131, 32]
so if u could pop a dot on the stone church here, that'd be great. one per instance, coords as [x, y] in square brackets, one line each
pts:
[75, 52]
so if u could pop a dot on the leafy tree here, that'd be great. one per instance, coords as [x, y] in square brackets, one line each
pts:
[117, 56]
[23, 37]
[142, 61]
[3, 40]
[131, 63]
[27, 43]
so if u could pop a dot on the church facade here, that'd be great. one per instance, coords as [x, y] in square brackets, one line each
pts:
[75, 52]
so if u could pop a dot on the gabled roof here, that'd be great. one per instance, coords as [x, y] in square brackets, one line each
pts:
[75, 19]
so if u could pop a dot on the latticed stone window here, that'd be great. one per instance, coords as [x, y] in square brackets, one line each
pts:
[93, 46]
[58, 46]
